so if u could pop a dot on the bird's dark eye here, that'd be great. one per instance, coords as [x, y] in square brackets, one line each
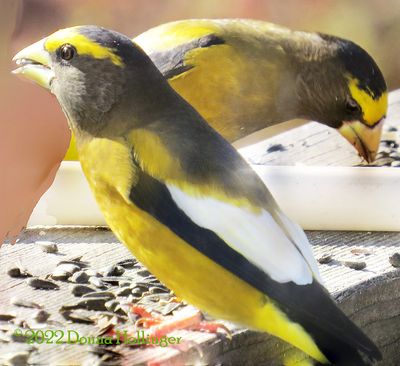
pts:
[67, 52]
[352, 106]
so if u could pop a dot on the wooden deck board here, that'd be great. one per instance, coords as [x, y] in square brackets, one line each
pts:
[371, 297]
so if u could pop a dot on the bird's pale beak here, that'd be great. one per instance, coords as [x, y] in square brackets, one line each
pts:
[35, 64]
[365, 139]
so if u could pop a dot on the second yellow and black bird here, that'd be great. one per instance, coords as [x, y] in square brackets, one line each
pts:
[245, 75]
[183, 200]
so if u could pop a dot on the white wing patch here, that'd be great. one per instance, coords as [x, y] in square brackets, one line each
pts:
[258, 237]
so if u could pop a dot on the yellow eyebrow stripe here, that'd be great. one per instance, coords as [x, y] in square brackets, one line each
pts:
[83, 45]
[373, 108]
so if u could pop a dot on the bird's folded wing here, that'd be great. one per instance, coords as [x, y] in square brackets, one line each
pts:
[252, 247]
[169, 45]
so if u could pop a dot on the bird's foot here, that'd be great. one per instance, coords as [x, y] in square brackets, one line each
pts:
[188, 318]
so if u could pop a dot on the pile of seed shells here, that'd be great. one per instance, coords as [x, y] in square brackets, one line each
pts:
[389, 150]
[104, 297]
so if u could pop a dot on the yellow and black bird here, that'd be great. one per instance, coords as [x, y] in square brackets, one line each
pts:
[183, 200]
[246, 75]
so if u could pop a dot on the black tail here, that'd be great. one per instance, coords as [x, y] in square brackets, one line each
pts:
[338, 338]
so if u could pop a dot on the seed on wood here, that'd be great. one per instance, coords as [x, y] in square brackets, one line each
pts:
[325, 259]
[102, 294]
[113, 271]
[143, 273]
[127, 263]
[80, 277]
[124, 291]
[16, 272]
[111, 305]
[158, 290]
[113, 280]
[382, 162]
[169, 308]
[77, 317]
[41, 316]
[47, 246]
[24, 303]
[276, 148]
[4, 338]
[80, 290]
[38, 283]
[102, 228]
[101, 351]
[355, 265]
[394, 260]
[64, 271]
[6, 317]
[97, 304]
[93, 273]
[20, 337]
[137, 292]
[16, 359]
[97, 282]
[73, 262]
[76, 258]
[142, 285]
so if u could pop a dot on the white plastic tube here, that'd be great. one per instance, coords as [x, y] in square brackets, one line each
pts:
[318, 198]
[337, 198]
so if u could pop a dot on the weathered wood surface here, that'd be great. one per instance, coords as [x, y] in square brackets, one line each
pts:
[371, 297]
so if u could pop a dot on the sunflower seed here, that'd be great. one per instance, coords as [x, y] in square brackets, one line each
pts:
[137, 292]
[97, 282]
[24, 303]
[325, 259]
[6, 317]
[77, 317]
[113, 280]
[41, 316]
[113, 271]
[16, 359]
[89, 304]
[73, 262]
[64, 271]
[124, 291]
[47, 246]
[111, 305]
[102, 294]
[38, 283]
[127, 263]
[355, 265]
[395, 163]
[16, 272]
[169, 308]
[93, 273]
[382, 162]
[80, 277]
[143, 273]
[142, 285]
[101, 351]
[77, 259]
[19, 338]
[80, 290]
[158, 290]
[394, 260]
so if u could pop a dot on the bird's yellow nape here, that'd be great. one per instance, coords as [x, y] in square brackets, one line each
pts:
[373, 107]
[83, 45]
